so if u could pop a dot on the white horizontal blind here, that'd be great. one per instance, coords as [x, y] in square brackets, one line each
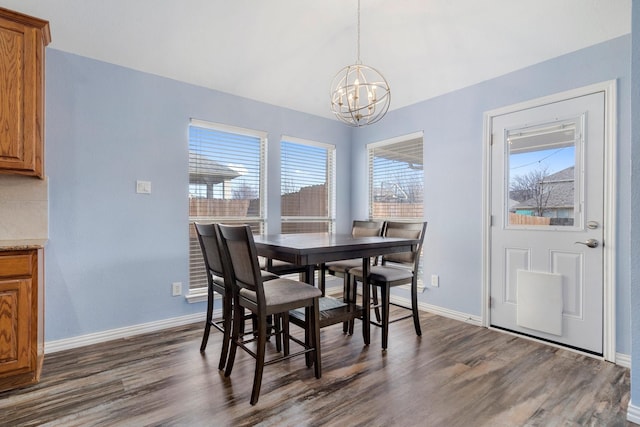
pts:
[307, 186]
[226, 183]
[396, 179]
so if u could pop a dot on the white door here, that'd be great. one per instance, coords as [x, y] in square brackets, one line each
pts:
[547, 199]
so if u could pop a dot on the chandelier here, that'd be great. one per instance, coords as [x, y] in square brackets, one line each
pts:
[359, 94]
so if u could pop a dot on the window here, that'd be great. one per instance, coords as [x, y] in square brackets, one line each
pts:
[396, 179]
[226, 183]
[307, 186]
[544, 179]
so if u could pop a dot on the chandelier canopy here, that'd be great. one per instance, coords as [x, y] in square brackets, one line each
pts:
[360, 95]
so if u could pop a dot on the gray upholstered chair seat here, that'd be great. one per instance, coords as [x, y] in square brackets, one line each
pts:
[386, 273]
[283, 291]
[280, 267]
[267, 275]
[343, 266]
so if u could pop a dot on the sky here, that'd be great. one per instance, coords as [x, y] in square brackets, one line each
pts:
[554, 160]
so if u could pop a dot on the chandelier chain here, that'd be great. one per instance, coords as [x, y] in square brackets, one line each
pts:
[358, 47]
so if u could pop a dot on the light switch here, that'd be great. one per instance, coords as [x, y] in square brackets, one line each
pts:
[143, 187]
[435, 280]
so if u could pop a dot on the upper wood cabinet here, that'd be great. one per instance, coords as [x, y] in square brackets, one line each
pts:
[22, 42]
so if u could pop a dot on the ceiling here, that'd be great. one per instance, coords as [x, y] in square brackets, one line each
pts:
[285, 52]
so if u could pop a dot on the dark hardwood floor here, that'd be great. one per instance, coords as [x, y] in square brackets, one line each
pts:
[454, 375]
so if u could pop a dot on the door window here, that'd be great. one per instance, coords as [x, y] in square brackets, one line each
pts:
[543, 183]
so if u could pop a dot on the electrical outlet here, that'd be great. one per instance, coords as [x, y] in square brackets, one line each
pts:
[435, 280]
[176, 289]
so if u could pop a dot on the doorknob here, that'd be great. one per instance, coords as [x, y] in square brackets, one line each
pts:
[592, 243]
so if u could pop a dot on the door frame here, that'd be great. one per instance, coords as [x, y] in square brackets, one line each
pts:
[610, 168]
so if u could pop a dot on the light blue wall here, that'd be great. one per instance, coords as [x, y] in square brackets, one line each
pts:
[453, 151]
[112, 253]
[635, 208]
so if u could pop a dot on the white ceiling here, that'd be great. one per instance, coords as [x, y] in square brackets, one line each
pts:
[285, 52]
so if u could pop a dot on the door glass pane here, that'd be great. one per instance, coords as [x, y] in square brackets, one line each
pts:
[543, 175]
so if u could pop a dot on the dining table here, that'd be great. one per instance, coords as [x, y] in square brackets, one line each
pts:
[313, 249]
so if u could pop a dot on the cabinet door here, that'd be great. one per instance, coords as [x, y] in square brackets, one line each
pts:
[21, 139]
[15, 325]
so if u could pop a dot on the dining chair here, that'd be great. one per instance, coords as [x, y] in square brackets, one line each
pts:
[217, 283]
[280, 296]
[395, 270]
[359, 228]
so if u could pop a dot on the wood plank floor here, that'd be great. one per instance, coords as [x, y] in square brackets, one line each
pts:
[454, 375]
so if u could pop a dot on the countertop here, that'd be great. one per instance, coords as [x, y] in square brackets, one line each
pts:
[18, 245]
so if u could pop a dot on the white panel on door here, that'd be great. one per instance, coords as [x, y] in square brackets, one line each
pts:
[515, 259]
[570, 266]
[535, 290]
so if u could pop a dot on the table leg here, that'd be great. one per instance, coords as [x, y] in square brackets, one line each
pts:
[309, 277]
[310, 274]
[366, 336]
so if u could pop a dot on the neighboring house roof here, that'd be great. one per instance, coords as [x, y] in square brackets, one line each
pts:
[209, 171]
[561, 187]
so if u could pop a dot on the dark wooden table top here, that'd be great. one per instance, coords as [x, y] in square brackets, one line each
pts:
[316, 248]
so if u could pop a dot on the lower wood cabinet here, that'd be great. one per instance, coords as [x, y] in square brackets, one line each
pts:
[21, 317]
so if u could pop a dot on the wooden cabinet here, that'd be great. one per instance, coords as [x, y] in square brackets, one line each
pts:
[21, 317]
[22, 42]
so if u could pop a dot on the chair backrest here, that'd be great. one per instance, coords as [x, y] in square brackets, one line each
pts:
[412, 230]
[240, 250]
[210, 246]
[367, 228]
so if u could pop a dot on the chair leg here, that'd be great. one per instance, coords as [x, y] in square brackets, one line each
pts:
[376, 306]
[260, 353]
[207, 326]
[274, 324]
[414, 306]
[321, 277]
[353, 289]
[315, 325]
[254, 323]
[238, 321]
[346, 297]
[227, 315]
[385, 292]
[308, 334]
[285, 332]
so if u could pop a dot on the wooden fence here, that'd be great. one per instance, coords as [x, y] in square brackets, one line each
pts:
[308, 201]
[218, 207]
[397, 210]
[517, 219]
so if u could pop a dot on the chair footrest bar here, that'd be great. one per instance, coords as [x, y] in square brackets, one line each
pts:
[373, 322]
[289, 356]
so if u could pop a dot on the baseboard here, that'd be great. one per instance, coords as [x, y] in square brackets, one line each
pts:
[633, 413]
[623, 360]
[112, 334]
[452, 314]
